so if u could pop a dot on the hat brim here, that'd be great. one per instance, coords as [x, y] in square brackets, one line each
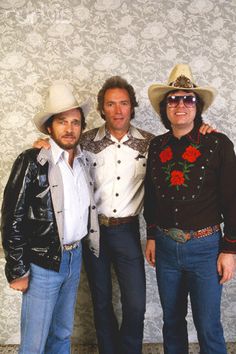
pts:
[41, 118]
[157, 92]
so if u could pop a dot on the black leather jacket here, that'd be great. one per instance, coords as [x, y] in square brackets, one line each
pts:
[29, 228]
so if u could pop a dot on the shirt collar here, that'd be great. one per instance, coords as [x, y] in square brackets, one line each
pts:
[104, 132]
[193, 136]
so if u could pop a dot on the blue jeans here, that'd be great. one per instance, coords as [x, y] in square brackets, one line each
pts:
[48, 307]
[119, 245]
[190, 268]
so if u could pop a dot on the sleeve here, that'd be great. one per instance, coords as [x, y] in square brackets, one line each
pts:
[14, 209]
[149, 198]
[227, 190]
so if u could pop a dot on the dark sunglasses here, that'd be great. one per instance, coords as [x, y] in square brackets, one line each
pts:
[189, 101]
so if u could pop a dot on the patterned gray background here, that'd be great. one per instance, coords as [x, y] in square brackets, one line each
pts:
[83, 42]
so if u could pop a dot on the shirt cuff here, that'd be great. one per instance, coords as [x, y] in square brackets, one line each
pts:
[151, 231]
[228, 245]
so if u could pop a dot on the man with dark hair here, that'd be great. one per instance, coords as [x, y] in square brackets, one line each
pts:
[189, 190]
[118, 153]
[47, 207]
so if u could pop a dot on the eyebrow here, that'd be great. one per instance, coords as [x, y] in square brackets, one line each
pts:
[122, 101]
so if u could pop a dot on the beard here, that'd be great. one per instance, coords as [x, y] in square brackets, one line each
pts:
[66, 146]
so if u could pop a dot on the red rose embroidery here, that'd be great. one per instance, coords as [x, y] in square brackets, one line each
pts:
[191, 154]
[166, 155]
[177, 178]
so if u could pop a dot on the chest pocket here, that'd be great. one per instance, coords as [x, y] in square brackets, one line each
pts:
[140, 168]
[97, 169]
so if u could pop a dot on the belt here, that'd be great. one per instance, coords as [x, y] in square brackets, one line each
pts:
[71, 246]
[183, 236]
[104, 220]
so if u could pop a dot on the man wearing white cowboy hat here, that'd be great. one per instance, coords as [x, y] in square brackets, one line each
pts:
[47, 209]
[189, 191]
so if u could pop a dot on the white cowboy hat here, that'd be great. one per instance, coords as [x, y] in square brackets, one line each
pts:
[60, 99]
[180, 78]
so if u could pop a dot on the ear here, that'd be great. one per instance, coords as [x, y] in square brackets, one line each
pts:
[49, 130]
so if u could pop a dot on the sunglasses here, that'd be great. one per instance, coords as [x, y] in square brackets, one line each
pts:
[188, 101]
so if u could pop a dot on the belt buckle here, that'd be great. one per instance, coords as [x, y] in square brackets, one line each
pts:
[104, 220]
[177, 235]
[71, 246]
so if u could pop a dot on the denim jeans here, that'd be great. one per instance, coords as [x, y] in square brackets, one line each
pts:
[119, 245]
[47, 312]
[190, 268]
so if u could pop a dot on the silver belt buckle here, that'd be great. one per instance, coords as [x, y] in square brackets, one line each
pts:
[71, 246]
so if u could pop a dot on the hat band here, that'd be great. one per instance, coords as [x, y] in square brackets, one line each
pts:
[182, 81]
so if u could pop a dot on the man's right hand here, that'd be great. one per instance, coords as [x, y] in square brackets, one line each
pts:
[20, 284]
[42, 143]
[150, 252]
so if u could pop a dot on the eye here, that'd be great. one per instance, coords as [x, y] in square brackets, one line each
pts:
[77, 123]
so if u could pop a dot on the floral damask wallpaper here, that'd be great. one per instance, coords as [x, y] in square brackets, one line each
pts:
[83, 42]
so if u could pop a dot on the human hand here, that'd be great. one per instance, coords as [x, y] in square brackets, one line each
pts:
[150, 252]
[226, 265]
[42, 143]
[206, 129]
[20, 284]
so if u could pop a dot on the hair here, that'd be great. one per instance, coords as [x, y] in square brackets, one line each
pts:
[49, 121]
[163, 114]
[112, 83]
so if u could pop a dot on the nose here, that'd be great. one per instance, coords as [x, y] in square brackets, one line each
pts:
[118, 108]
[181, 102]
[69, 127]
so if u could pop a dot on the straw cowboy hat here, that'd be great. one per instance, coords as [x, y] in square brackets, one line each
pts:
[180, 78]
[60, 99]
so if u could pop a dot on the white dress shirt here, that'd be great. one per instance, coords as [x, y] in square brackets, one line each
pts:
[118, 170]
[76, 194]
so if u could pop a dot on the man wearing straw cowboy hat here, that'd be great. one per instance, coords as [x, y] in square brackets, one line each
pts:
[189, 191]
[47, 209]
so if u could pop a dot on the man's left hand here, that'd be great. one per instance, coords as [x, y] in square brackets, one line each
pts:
[226, 265]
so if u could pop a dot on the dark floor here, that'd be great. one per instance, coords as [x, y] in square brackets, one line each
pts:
[147, 349]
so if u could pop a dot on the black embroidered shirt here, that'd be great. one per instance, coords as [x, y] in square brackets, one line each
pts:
[191, 184]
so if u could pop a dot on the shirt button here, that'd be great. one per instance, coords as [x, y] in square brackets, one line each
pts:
[118, 177]
[118, 161]
[92, 231]
[114, 210]
[93, 207]
[176, 224]
[117, 194]
[118, 146]
[94, 164]
[176, 209]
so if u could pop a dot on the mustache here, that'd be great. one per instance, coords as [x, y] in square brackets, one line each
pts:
[68, 135]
